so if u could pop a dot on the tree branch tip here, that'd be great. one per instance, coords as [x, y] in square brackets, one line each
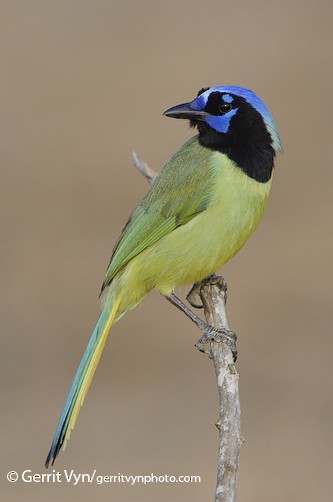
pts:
[143, 168]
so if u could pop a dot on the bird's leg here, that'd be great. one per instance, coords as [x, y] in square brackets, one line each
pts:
[195, 290]
[209, 332]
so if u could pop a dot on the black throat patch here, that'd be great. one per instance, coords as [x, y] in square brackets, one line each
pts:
[247, 142]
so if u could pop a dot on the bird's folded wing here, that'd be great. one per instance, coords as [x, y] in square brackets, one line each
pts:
[154, 218]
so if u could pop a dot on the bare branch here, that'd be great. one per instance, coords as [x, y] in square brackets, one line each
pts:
[213, 296]
[144, 169]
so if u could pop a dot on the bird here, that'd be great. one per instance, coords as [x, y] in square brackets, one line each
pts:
[202, 207]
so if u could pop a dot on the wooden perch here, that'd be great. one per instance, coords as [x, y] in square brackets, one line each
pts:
[213, 297]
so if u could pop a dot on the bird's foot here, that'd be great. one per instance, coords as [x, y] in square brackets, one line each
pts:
[212, 279]
[211, 334]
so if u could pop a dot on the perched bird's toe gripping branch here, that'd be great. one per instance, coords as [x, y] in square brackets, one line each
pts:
[223, 335]
[195, 291]
[193, 294]
[209, 333]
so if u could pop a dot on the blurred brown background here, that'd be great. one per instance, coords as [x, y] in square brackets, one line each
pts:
[83, 84]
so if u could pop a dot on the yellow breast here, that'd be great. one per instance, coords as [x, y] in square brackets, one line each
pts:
[208, 241]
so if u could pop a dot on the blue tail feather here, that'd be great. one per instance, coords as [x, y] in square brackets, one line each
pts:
[63, 423]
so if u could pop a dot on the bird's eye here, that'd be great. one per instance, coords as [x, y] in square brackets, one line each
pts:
[225, 107]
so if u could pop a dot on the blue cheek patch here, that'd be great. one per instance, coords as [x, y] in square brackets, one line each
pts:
[221, 123]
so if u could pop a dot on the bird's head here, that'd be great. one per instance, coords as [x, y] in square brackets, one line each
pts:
[226, 113]
[234, 121]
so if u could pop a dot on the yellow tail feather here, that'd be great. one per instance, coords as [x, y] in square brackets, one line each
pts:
[90, 371]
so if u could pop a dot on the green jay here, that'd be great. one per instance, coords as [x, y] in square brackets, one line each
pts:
[202, 207]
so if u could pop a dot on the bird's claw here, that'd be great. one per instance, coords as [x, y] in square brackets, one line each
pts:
[213, 280]
[217, 335]
[193, 293]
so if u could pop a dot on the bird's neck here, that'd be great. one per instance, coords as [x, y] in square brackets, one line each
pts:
[250, 150]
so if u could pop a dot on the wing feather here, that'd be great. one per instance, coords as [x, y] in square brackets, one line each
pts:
[166, 206]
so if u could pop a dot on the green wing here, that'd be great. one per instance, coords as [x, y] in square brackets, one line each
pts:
[180, 192]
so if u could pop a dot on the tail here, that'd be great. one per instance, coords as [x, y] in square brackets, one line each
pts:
[82, 380]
